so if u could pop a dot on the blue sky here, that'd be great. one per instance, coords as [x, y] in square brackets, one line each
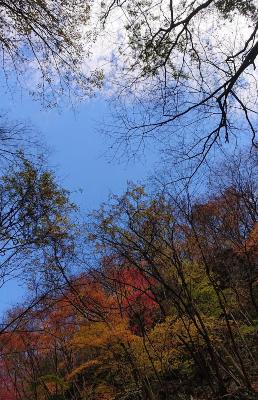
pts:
[78, 153]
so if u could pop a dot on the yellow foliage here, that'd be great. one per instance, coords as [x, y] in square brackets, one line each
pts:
[100, 334]
[164, 347]
[82, 368]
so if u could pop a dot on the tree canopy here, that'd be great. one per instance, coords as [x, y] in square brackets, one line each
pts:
[167, 307]
[154, 295]
[189, 68]
[46, 41]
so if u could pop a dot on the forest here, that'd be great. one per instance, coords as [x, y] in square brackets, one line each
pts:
[152, 295]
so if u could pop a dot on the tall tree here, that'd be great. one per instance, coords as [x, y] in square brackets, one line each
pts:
[34, 220]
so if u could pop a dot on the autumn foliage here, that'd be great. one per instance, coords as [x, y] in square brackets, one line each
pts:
[168, 309]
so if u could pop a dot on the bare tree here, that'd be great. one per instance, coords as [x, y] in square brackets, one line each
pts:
[189, 71]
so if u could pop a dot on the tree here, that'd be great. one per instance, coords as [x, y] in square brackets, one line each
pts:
[165, 305]
[174, 244]
[189, 72]
[34, 215]
[48, 39]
